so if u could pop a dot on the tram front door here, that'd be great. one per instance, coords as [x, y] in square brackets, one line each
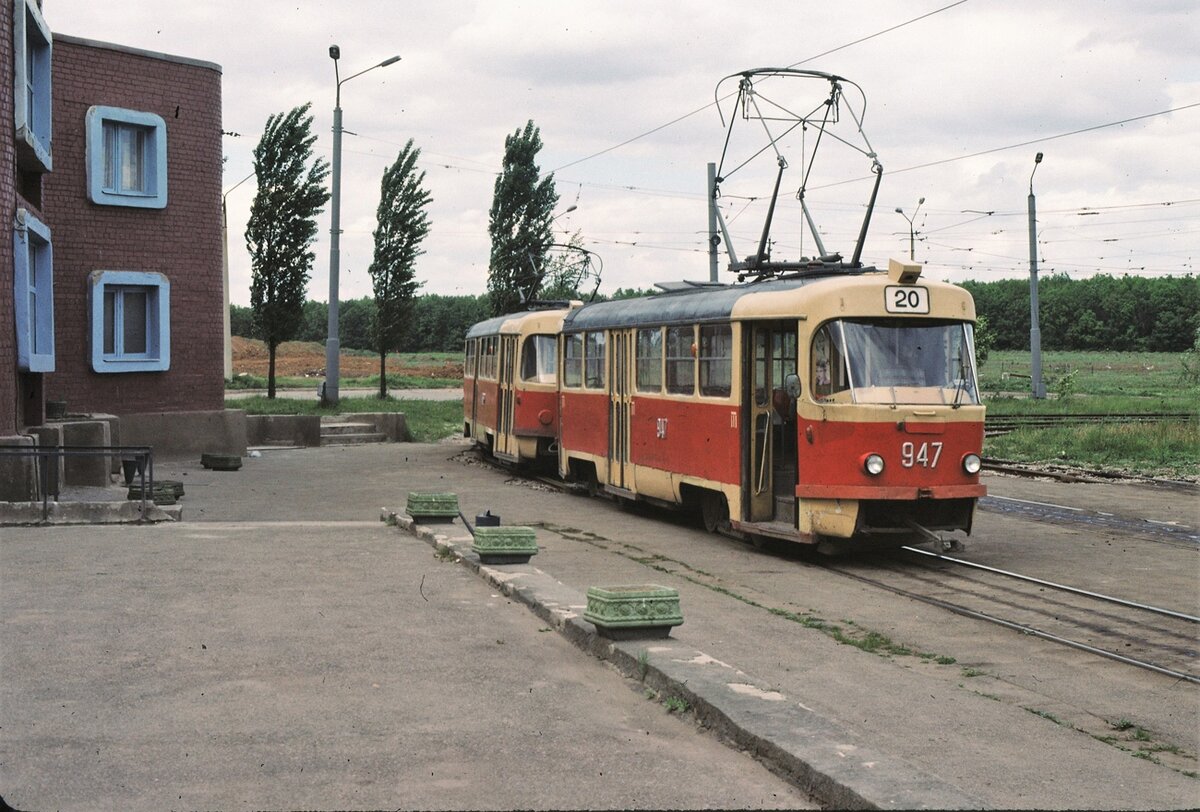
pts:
[769, 478]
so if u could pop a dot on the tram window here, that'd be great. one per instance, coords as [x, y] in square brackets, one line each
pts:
[489, 357]
[681, 360]
[469, 361]
[649, 360]
[828, 362]
[539, 359]
[573, 360]
[716, 360]
[593, 360]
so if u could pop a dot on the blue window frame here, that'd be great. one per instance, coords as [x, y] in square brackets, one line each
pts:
[31, 101]
[130, 321]
[126, 158]
[33, 293]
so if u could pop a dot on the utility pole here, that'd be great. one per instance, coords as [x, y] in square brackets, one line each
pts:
[713, 238]
[1035, 334]
[912, 232]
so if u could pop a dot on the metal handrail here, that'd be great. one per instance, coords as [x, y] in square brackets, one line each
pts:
[140, 453]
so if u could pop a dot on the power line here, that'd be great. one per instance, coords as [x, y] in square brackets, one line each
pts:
[675, 121]
[1015, 146]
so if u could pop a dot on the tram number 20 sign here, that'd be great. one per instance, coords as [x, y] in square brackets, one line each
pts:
[905, 299]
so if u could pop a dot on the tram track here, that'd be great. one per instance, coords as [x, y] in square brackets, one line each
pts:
[1003, 424]
[1136, 634]
[1148, 637]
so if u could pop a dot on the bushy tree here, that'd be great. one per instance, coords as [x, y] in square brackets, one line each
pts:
[519, 223]
[282, 227]
[402, 227]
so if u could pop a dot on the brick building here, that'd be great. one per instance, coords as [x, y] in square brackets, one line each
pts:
[111, 297]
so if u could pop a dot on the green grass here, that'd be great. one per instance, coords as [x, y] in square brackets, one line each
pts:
[428, 420]
[1170, 449]
[1091, 382]
[1099, 383]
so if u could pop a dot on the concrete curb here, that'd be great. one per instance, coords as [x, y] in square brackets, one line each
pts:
[123, 512]
[814, 753]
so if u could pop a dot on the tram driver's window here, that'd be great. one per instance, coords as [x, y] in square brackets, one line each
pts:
[828, 364]
[573, 360]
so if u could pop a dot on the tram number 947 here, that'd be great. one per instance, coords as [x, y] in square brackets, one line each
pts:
[926, 455]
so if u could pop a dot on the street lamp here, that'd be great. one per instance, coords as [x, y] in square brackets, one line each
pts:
[912, 234]
[1035, 334]
[329, 395]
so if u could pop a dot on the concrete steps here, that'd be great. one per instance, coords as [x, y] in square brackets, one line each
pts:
[349, 433]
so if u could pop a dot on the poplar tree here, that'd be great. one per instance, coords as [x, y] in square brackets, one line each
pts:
[282, 227]
[402, 226]
[519, 223]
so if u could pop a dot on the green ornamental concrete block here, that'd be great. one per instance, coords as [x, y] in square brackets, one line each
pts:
[631, 612]
[163, 489]
[432, 507]
[504, 545]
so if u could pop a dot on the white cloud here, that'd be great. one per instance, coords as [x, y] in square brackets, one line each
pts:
[976, 77]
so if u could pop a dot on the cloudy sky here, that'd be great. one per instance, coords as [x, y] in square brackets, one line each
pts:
[960, 96]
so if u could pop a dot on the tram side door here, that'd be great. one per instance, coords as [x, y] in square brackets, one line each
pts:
[620, 473]
[506, 442]
[770, 431]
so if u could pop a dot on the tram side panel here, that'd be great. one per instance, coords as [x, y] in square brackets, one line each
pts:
[684, 441]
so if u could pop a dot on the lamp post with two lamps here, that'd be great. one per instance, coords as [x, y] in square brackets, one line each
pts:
[329, 394]
[912, 234]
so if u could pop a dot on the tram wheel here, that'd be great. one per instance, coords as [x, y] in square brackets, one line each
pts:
[714, 510]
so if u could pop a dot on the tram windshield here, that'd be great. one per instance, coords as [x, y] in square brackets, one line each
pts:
[894, 362]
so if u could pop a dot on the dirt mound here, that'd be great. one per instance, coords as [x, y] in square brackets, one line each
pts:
[306, 359]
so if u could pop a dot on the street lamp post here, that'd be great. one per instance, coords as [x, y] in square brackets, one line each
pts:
[912, 234]
[329, 395]
[1035, 334]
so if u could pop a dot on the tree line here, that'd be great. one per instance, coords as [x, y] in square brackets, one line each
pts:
[1114, 313]
[1128, 314]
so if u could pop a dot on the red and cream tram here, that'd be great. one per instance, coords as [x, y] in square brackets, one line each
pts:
[510, 384]
[838, 405]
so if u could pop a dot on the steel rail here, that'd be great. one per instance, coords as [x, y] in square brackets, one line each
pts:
[1062, 587]
[1022, 628]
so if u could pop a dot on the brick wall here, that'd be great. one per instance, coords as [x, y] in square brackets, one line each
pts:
[182, 241]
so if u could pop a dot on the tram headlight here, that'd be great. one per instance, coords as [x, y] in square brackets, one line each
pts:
[971, 464]
[873, 464]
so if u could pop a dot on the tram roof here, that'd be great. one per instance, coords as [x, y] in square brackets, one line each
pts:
[683, 306]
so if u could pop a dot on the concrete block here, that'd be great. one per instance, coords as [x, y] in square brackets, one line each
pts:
[393, 425]
[283, 429]
[18, 475]
[79, 470]
[49, 436]
[187, 434]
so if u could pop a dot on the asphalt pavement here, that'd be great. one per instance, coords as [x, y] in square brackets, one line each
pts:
[282, 647]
